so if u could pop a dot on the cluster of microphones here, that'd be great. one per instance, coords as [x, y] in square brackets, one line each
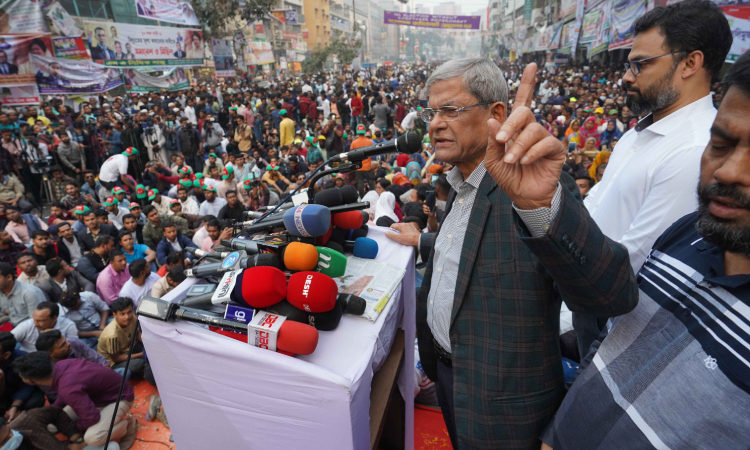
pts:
[275, 279]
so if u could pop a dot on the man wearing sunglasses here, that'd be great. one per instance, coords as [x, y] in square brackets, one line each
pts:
[650, 179]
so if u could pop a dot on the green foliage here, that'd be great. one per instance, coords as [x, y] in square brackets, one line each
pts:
[344, 47]
[220, 18]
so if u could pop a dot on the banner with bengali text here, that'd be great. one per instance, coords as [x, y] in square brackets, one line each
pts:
[125, 45]
[71, 76]
[624, 13]
[223, 60]
[259, 52]
[554, 42]
[601, 37]
[589, 24]
[22, 17]
[432, 20]
[19, 95]
[60, 23]
[567, 7]
[172, 11]
[739, 23]
[575, 31]
[16, 68]
[137, 81]
[70, 48]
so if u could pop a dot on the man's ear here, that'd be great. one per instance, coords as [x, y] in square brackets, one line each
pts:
[499, 111]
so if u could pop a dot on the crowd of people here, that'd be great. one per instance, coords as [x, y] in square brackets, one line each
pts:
[132, 181]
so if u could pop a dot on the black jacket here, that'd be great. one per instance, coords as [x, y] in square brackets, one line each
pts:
[87, 242]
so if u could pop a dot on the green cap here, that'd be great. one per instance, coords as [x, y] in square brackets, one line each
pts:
[152, 193]
[187, 183]
[212, 154]
[612, 112]
[140, 191]
[282, 112]
[226, 172]
[198, 175]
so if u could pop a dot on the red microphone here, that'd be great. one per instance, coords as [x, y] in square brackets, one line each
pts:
[294, 338]
[350, 220]
[322, 240]
[313, 292]
[260, 287]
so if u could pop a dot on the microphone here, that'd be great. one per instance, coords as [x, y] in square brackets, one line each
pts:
[201, 253]
[284, 308]
[349, 194]
[198, 301]
[330, 262]
[308, 220]
[261, 211]
[216, 269]
[299, 256]
[329, 197]
[365, 248]
[326, 321]
[241, 244]
[333, 245]
[259, 287]
[406, 143]
[283, 207]
[348, 220]
[321, 240]
[312, 291]
[352, 304]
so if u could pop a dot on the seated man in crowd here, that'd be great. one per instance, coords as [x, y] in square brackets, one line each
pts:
[59, 347]
[88, 312]
[58, 215]
[233, 209]
[141, 281]
[15, 395]
[131, 225]
[171, 280]
[65, 278]
[94, 229]
[171, 241]
[17, 299]
[33, 432]
[94, 262]
[43, 248]
[67, 238]
[135, 251]
[9, 248]
[88, 391]
[114, 341]
[113, 277]
[154, 228]
[20, 226]
[215, 234]
[115, 211]
[45, 317]
[173, 259]
[32, 274]
[12, 190]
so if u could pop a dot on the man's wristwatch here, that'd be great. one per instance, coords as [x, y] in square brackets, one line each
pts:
[78, 440]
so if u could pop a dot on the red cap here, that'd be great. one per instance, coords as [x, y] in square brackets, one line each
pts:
[312, 291]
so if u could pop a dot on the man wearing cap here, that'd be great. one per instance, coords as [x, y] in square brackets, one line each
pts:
[227, 182]
[140, 196]
[160, 202]
[116, 211]
[243, 134]
[119, 193]
[114, 171]
[286, 129]
[363, 175]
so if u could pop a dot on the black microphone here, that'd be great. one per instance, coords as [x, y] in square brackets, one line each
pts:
[241, 244]
[258, 214]
[406, 143]
[216, 269]
[201, 253]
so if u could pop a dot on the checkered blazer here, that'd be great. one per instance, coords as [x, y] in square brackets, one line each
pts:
[507, 370]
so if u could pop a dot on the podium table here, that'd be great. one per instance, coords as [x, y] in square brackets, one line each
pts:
[222, 393]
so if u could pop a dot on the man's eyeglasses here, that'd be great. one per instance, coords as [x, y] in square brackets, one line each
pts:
[635, 66]
[449, 113]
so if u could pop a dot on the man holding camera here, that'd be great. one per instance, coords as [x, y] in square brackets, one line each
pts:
[189, 144]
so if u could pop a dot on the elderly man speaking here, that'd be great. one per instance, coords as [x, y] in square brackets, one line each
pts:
[515, 242]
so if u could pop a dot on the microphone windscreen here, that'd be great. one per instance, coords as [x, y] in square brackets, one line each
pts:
[356, 234]
[331, 262]
[284, 308]
[263, 259]
[260, 287]
[297, 338]
[352, 304]
[349, 194]
[321, 240]
[312, 291]
[339, 236]
[348, 220]
[365, 228]
[365, 217]
[365, 248]
[409, 143]
[329, 197]
[308, 220]
[335, 246]
[326, 321]
[299, 256]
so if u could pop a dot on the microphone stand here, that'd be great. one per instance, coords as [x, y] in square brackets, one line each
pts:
[342, 168]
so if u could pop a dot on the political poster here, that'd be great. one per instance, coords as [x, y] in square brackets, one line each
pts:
[739, 23]
[173, 11]
[70, 76]
[70, 48]
[138, 81]
[601, 39]
[22, 17]
[262, 53]
[567, 7]
[432, 20]
[19, 95]
[16, 68]
[590, 22]
[223, 60]
[575, 31]
[288, 16]
[556, 34]
[624, 13]
[125, 45]
[566, 36]
[61, 23]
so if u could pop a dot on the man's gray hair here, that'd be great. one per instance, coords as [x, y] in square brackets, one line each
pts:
[481, 78]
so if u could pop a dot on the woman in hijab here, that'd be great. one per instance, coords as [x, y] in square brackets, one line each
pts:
[575, 125]
[398, 192]
[372, 196]
[601, 158]
[414, 171]
[612, 132]
[386, 214]
[589, 130]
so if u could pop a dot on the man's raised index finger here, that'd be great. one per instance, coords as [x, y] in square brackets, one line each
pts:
[526, 88]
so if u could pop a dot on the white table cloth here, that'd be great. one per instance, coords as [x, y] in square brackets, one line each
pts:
[224, 394]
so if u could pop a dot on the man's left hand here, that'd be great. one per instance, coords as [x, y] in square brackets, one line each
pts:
[522, 157]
